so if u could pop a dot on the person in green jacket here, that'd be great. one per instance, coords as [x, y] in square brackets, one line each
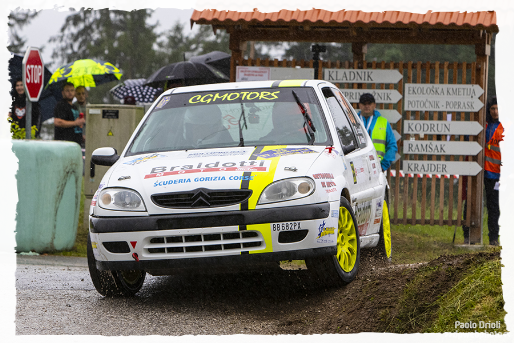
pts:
[379, 130]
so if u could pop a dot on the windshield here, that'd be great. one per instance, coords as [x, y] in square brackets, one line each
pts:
[216, 119]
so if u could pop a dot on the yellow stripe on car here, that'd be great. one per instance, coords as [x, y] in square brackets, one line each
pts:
[291, 83]
[257, 185]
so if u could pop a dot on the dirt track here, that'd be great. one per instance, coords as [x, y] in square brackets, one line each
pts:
[280, 302]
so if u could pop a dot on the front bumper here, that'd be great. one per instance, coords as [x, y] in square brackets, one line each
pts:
[166, 243]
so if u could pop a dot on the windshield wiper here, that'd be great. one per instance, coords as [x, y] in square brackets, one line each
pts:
[306, 120]
[241, 140]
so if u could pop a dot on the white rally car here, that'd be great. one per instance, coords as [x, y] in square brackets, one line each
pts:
[234, 175]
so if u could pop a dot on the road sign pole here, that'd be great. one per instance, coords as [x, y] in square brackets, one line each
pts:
[28, 120]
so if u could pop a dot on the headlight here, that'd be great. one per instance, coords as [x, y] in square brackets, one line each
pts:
[120, 199]
[288, 189]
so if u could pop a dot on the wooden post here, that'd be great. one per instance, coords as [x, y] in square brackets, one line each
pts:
[359, 50]
[237, 46]
[482, 50]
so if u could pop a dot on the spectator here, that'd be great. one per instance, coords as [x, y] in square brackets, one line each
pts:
[81, 95]
[379, 130]
[492, 165]
[68, 124]
[19, 108]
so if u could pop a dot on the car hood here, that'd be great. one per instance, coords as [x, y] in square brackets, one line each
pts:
[228, 169]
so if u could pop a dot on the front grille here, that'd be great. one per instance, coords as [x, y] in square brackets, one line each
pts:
[235, 241]
[201, 198]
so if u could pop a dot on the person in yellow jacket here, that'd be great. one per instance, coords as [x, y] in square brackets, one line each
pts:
[492, 165]
[379, 130]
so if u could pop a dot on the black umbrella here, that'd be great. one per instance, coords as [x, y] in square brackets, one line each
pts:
[136, 89]
[186, 73]
[48, 98]
[218, 59]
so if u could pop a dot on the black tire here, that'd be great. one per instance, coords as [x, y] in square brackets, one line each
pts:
[384, 246]
[340, 269]
[113, 283]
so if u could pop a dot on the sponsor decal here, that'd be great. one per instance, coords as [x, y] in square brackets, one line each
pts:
[378, 208]
[163, 101]
[286, 226]
[242, 166]
[371, 157]
[323, 176]
[353, 172]
[143, 159]
[171, 182]
[363, 214]
[376, 221]
[335, 213]
[93, 203]
[327, 184]
[93, 245]
[102, 185]
[218, 153]
[330, 190]
[325, 234]
[285, 152]
[228, 97]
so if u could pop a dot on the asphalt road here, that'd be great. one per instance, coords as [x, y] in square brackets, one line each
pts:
[55, 296]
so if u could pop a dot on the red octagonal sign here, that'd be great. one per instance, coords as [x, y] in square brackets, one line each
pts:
[33, 73]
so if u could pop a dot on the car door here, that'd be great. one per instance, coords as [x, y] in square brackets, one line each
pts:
[358, 152]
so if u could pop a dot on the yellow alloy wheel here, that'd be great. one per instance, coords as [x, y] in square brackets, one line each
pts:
[386, 227]
[346, 241]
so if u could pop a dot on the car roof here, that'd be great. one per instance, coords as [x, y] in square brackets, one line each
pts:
[246, 85]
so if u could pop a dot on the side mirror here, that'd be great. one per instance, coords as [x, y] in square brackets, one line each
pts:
[104, 156]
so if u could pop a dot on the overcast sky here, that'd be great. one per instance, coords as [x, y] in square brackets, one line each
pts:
[51, 18]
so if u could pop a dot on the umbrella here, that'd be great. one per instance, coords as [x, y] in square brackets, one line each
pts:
[186, 73]
[136, 89]
[86, 72]
[48, 97]
[218, 59]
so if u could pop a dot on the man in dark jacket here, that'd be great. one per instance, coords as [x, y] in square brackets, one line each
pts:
[68, 124]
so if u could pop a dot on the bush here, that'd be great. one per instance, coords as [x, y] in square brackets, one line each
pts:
[19, 133]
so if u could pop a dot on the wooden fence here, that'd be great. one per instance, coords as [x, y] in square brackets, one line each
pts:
[418, 199]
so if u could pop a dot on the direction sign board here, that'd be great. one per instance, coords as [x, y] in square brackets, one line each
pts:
[443, 104]
[436, 97]
[392, 116]
[441, 127]
[441, 148]
[33, 73]
[417, 90]
[382, 96]
[361, 75]
[441, 167]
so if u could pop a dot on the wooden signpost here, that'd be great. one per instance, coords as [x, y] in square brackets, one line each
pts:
[382, 96]
[441, 167]
[444, 97]
[441, 127]
[441, 148]
[361, 75]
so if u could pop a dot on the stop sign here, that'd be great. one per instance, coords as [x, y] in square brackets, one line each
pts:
[33, 72]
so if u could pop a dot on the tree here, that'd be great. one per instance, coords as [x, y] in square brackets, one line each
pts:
[120, 37]
[14, 14]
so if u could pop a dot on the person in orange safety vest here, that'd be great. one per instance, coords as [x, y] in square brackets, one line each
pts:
[492, 165]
